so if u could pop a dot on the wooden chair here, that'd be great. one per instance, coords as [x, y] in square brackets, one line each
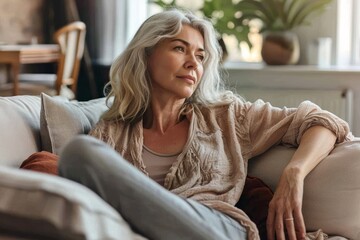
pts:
[71, 39]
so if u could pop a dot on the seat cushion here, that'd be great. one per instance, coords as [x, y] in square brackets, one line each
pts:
[39, 78]
[43, 206]
[61, 120]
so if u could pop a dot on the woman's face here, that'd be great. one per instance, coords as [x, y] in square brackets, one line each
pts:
[176, 64]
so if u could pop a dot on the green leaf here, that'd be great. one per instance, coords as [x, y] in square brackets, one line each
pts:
[307, 8]
[163, 4]
[256, 7]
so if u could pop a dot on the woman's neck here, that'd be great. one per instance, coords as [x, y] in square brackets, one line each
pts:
[161, 117]
[167, 139]
[161, 122]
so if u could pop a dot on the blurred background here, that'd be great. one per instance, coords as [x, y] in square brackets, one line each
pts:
[329, 38]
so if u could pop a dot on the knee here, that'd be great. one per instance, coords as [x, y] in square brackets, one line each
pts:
[78, 143]
[76, 153]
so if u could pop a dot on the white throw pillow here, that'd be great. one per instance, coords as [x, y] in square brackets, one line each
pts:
[61, 120]
[41, 206]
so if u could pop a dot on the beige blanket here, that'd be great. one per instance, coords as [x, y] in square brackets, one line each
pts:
[318, 235]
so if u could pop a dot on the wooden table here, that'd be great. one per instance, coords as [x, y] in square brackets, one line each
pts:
[14, 55]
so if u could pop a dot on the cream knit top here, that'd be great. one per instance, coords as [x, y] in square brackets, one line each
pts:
[213, 164]
[157, 165]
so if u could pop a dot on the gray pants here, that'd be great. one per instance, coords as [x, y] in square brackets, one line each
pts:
[150, 209]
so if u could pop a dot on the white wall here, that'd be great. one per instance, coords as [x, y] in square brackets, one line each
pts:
[303, 78]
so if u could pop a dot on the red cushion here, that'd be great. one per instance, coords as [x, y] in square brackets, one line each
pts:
[254, 201]
[44, 162]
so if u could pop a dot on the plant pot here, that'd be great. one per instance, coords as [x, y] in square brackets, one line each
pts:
[280, 48]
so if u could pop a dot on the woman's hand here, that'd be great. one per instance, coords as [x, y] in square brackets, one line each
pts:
[285, 219]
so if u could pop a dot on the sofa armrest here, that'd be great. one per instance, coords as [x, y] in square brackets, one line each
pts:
[42, 206]
[331, 190]
[19, 129]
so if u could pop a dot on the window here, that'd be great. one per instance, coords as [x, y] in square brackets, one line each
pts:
[116, 23]
[356, 32]
[348, 33]
[242, 52]
[339, 22]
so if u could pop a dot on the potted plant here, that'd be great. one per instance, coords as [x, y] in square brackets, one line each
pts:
[279, 18]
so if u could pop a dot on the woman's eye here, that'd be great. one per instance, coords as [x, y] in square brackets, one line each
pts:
[201, 57]
[179, 48]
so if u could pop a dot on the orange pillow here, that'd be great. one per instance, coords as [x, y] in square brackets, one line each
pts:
[254, 201]
[43, 161]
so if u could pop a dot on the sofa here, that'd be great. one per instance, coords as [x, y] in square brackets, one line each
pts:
[36, 205]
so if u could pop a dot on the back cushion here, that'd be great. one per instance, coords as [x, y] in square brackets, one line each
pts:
[19, 129]
[62, 120]
[331, 190]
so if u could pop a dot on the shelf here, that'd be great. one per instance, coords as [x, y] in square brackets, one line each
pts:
[290, 68]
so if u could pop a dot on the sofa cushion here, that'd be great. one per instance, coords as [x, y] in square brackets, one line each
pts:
[43, 206]
[43, 161]
[61, 120]
[19, 129]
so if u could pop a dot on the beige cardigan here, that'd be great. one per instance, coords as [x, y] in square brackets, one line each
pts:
[213, 165]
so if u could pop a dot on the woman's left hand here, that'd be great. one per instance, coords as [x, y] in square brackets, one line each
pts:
[285, 219]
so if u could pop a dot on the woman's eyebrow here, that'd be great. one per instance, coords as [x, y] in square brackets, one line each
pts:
[186, 43]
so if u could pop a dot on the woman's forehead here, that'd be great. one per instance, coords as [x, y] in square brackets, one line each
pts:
[189, 35]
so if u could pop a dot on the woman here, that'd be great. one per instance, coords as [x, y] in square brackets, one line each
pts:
[172, 120]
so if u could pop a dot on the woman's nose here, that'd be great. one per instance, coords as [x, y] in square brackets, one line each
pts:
[191, 62]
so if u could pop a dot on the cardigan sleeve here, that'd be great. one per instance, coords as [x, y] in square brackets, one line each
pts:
[268, 125]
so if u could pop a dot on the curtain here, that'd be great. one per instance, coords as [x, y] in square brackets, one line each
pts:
[62, 12]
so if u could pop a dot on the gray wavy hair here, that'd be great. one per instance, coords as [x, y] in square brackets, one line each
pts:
[129, 86]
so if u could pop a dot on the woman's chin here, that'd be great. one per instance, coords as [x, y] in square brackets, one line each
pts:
[188, 95]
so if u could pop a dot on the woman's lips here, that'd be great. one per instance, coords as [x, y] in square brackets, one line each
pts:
[188, 78]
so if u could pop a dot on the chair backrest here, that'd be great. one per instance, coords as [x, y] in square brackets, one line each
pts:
[71, 39]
